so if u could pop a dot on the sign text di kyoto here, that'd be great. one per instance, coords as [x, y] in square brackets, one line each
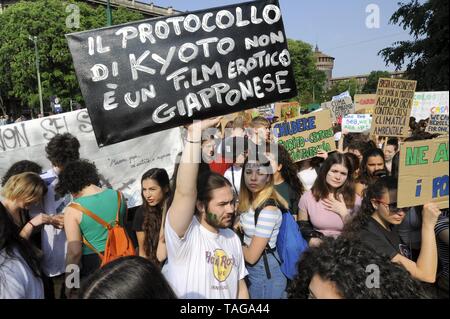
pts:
[152, 75]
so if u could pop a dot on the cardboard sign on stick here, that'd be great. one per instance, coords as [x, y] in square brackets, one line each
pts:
[423, 174]
[305, 135]
[365, 103]
[393, 108]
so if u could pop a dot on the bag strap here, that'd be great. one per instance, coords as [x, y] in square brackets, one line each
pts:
[119, 199]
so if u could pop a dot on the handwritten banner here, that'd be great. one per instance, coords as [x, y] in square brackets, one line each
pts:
[152, 75]
[423, 175]
[120, 165]
[429, 103]
[340, 108]
[357, 123]
[393, 107]
[365, 103]
[438, 124]
[305, 135]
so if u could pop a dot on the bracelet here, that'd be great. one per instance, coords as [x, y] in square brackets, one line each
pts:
[29, 222]
[193, 142]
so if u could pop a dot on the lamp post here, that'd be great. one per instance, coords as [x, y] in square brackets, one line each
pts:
[108, 14]
[34, 39]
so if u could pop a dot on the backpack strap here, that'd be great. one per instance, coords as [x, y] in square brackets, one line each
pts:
[269, 202]
[87, 212]
[119, 199]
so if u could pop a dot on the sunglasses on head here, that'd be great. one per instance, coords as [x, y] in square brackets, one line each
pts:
[393, 207]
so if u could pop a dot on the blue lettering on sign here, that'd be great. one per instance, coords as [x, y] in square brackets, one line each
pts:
[440, 186]
[295, 127]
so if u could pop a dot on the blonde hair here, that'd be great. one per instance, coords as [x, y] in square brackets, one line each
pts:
[28, 187]
[246, 200]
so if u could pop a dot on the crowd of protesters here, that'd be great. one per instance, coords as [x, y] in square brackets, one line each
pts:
[211, 230]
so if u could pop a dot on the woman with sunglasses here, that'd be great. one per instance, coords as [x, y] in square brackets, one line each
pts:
[373, 225]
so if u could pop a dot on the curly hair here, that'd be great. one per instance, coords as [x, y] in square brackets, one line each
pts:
[153, 215]
[76, 176]
[364, 176]
[62, 149]
[347, 263]
[21, 167]
[374, 191]
[289, 171]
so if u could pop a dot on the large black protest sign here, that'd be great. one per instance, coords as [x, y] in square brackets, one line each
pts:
[152, 75]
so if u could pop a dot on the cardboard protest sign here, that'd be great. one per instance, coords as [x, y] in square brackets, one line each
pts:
[357, 123]
[393, 107]
[152, 75]
[121, 166]
[305, 135]
[428, 103]
[289, 110]
[438, 124]
[365, 103]
[423, 174]
[340, 108]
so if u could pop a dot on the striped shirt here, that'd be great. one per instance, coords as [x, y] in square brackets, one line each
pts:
[268, 226]
[442, 225]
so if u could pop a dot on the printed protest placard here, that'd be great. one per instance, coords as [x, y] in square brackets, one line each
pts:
[438, 124]
[357, 123]
[340, 108]
[152, 75]
[423, 175]
[305, 135]
[429, 103]
[121, 166]
[365, 103]
[393, 107]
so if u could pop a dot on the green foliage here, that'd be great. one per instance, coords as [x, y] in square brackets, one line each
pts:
[350, 85]
[372, 81]
[427, 54]
[45, 19]
[309, 80]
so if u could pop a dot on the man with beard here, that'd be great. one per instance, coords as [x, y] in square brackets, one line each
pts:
[205, 257]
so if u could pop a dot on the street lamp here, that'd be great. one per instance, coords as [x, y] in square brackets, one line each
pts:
[108, 14]
[34, 39]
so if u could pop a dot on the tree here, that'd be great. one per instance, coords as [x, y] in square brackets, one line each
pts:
[45, 19]
[349, 85]
[427, 54]
[310, 81]
[372, 81]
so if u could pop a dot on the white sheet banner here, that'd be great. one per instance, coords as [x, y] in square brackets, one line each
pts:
[428, 103]
[121, 165]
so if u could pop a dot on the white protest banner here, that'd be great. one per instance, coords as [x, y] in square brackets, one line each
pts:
[166, 72]
[428, 103]
[357, 123]
[121, 165]
[341, 96]
[393, 108]
[423, 173]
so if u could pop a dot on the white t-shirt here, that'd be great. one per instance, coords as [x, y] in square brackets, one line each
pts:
[53, 243]
[269, 222]
[17, 280]
[237, 177]
[307, 177]
[202, 264]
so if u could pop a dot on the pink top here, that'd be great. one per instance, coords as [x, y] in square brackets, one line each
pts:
[322, 219]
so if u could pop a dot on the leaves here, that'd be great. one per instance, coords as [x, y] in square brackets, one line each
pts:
[427, 55]
[45, 19]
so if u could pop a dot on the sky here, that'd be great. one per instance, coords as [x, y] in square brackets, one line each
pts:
[337, 27]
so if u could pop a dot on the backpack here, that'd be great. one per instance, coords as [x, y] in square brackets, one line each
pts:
[290, 242]
[118, 243]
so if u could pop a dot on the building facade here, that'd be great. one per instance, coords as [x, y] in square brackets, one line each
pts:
[324, 63]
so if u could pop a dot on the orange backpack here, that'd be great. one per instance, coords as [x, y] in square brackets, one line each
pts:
[118, 243]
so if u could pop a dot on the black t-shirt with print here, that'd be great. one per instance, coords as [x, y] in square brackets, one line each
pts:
[383, 241]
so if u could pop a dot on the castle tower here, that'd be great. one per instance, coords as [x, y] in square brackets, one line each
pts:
[324, 63]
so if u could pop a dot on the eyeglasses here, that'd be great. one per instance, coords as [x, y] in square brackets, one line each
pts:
[393, 207]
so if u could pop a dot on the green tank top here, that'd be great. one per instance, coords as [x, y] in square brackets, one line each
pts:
[104, 205]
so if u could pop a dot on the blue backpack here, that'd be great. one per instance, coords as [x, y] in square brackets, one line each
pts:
[290, 242]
